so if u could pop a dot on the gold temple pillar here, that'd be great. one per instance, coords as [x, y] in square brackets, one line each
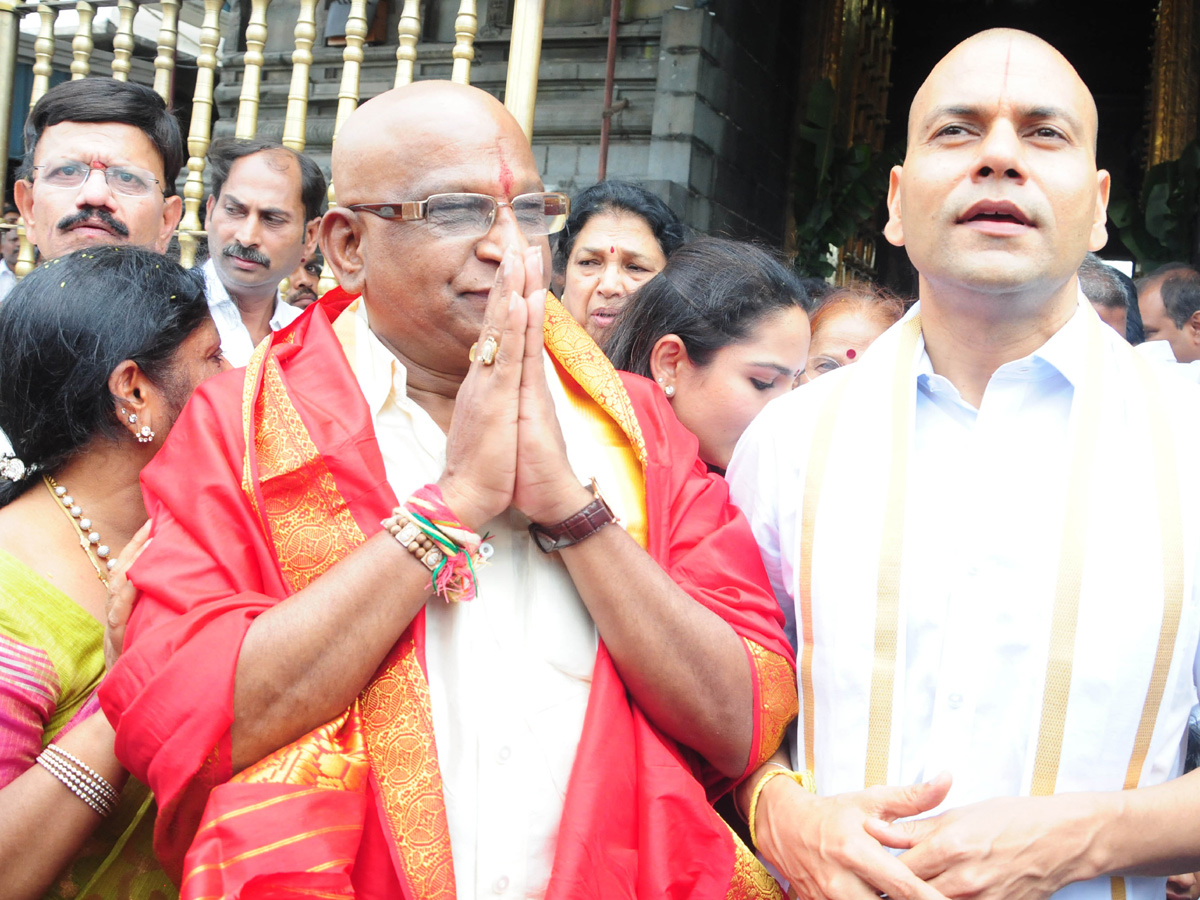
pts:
[1173, 88]
[524, 57]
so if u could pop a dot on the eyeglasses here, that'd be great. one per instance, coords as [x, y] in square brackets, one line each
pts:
[70, 174]
[472, 215]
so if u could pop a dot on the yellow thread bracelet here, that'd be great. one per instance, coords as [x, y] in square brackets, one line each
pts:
[805, 779]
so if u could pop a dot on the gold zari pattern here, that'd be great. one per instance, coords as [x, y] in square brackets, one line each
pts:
[751, 880]
[776, 699]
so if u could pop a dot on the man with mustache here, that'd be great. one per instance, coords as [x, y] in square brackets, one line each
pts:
[262, 218]
[101, 158]
[303, 283]
[938, 517]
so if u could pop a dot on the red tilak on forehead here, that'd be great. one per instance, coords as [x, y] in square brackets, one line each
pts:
[506, 176]
[612, 249]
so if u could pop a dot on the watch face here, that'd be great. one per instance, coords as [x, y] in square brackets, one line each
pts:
[545, 542]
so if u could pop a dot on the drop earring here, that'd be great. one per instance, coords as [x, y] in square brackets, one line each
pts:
[145, 434]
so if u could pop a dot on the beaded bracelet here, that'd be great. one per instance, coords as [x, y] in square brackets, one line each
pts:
[805, 779]
[80, 779]
[428, 529]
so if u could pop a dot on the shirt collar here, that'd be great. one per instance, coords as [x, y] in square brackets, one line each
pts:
[379, 373]
[1063, 352]
[282, 314]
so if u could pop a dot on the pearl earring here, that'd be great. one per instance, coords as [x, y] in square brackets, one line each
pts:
[669, 390]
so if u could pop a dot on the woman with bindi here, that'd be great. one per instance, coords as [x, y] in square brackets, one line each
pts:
[617, 238]
[846, 323]
[99, 351]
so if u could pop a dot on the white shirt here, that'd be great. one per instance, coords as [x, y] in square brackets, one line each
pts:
[8, 279]
[986, 497]
[510, 672]
[236, 345]
[1160, 353]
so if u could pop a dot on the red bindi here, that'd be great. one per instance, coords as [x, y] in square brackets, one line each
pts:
[850, 354]
[612, 249]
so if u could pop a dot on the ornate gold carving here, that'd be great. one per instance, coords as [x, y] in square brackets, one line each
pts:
[164, 61]
[199, 133]
[123, 40]
[465, 26]
[295, 121]
[256, 39]
[408, 30]
[524, 57]
[1173, 88]
[82, 45]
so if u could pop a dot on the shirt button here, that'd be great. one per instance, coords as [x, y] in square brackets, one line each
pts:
[954, 701]
[500, 885]
[503, 754]
[486, 550]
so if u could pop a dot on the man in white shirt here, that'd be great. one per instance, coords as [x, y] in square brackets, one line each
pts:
[262, 218]
[936, 522]
[10, 248]
[1169, 299]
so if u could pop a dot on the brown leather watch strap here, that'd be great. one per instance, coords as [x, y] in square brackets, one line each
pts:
[573, 529]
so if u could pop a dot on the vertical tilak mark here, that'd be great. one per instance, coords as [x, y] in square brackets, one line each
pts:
[506, 176]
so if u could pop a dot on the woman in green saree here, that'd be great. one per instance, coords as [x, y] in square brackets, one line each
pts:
[98, 353]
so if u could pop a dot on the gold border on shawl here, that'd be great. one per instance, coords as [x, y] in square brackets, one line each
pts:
[579, 355]
[311, 524]
[776, 698]
[1065, 615]
[397, 712]
[249, 391]
[814, 478]
[750, 880]
[311, 527]
[887, 611]
[1166, 477]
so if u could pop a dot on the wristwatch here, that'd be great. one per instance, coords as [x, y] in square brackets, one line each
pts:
[574, 529]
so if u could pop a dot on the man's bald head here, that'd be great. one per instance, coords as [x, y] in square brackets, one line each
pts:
[991, 56]
[425, 286]
[999, 193]
[401, 138]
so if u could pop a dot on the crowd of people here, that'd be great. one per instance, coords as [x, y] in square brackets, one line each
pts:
[498, 568]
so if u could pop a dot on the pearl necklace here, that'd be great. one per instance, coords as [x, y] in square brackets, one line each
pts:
[89, 540]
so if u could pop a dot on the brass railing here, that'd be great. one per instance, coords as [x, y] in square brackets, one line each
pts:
[520, 90]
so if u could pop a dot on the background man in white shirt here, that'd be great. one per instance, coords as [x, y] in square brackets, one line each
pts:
[1169, 298]
[262, 217]
[10, 248]
[101, 157]
[994, 651]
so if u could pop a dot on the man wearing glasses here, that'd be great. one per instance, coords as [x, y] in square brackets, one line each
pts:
[516, 686]
[101, 157]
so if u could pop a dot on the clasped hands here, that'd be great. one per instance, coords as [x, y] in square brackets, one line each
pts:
[1012, 848]
[505, 447]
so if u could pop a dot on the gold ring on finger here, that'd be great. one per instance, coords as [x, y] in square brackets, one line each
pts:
[487, 352]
